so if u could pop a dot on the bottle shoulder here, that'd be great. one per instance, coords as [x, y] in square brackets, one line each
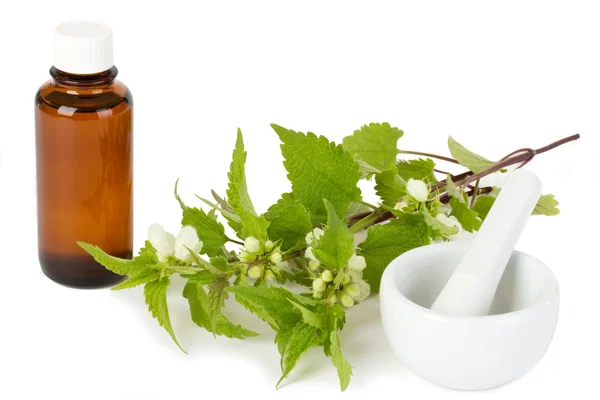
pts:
[84, 98]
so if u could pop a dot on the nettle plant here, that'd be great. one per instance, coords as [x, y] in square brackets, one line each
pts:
[307, 238]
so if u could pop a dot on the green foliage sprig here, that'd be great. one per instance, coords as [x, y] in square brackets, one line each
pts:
[307, 237]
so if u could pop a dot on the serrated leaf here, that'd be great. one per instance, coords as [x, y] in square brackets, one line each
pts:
[117, 265]
[483, 205]
[216, 299]
[198, 301]
[253, 225]
[318, 169]
[155, 294]
[335, 318]
[467, 217]
[386, 242]
[546, 205]
[375, 145]
[210, 231]
[143, 277]
[466, 158]
[270, 304]
[289, 221]
[335, 247]
[390, 186]
[344, 368]
[200, 277]
[147, 255]
[316, 320]
[292, 343]
[237, 192]
[419, 169]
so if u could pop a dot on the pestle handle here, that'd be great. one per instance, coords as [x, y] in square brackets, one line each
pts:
[471, 288]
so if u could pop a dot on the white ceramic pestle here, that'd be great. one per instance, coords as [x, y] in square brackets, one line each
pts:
[472, 286]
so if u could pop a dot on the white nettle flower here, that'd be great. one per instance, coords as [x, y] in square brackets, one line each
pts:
[168, 245]
[357, 263]
[312, 237]
[309, 254]
[417, 189]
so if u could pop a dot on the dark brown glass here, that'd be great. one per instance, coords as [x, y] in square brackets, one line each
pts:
[84, 140]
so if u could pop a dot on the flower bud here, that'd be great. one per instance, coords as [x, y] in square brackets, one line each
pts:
[327, 275]
[365, 290]
[357, 263]
[318, 295]
[270, 275]
[346, 300]
[246, 257]
[313, 265]
[417, 189]
[275, 257]
[353, 290]
[319, 285]
[269, 246]
[252, 244]
[255, 272]
[332, 298]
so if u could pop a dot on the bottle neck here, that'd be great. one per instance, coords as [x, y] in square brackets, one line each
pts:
[98, 79]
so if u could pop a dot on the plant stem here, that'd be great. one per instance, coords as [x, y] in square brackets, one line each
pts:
[365, 222]
[521, 157]
[475, 193]
[234, 241]
[420, 153]
[364, 203]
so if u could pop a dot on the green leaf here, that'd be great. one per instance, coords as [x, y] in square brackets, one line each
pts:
[200, 277]
[467, 217]
[467, 158]
[375, 145]
[209, 230]
[216, 299]
[253, 225]
[198, 301]
[270, 304]
[155, 294]
[117, 265]
[390, 186]
[546, 205]
[336, 245]
[386, 242]
[344, 368]
[143, 277]
[147, 255]
[483, 205]
[316, 320]
[318, 169]
[237, 192]
[420, 169]
[289, 221]
[292, 343]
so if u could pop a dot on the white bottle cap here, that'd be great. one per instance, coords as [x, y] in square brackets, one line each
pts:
[83, 47]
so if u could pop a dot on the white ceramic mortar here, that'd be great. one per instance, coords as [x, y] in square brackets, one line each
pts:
[468, 352]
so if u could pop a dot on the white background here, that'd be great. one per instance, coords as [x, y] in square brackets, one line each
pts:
[496, 75]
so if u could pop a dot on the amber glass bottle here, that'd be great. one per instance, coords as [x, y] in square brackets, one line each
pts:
[84, 158]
